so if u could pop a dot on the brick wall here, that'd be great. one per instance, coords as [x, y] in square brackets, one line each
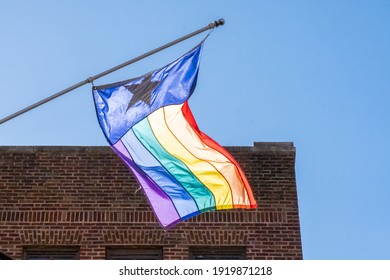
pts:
[86, 197]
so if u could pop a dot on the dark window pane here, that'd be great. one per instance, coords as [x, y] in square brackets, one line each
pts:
[134, 253]
[52, 253]
[218, 253]
[4, 257]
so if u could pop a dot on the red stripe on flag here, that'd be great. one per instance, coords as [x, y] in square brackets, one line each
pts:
[212, 144]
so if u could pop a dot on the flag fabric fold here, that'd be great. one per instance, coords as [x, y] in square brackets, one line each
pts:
[148, 123]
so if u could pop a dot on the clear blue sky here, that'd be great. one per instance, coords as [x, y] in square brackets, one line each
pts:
[316, 73]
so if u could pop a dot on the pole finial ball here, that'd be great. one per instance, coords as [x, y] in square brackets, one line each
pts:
[221, 21]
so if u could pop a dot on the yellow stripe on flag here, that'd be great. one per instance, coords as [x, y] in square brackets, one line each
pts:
[203, 170]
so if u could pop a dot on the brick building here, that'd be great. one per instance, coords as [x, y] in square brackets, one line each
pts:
[83, 203]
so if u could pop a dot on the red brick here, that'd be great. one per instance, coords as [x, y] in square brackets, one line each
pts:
[85, 196]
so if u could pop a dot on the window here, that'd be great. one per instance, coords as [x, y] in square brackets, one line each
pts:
[51, 253]
[4, 257]
[218, 253]
[134, 253]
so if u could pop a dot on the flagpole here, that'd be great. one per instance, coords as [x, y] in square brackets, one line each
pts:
[212, 25]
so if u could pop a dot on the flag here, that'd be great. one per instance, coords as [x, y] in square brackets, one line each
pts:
[148, 123]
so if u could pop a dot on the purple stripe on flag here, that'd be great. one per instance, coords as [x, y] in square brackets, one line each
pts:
[161, 203]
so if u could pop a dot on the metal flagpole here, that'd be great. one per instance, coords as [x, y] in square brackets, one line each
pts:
[113, 69]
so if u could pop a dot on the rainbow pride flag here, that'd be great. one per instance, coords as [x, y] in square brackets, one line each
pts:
[148, 123]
